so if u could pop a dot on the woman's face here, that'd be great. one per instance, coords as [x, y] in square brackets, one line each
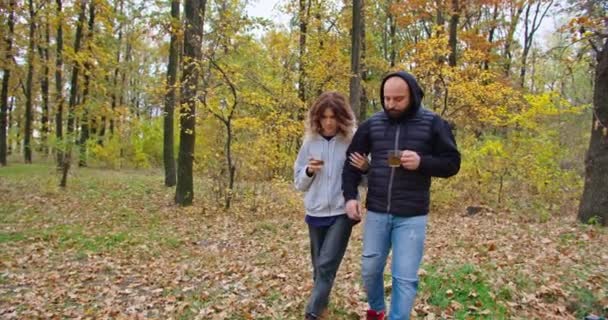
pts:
[329, 123]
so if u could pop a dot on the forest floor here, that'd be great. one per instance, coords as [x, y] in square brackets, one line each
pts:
[113, 245]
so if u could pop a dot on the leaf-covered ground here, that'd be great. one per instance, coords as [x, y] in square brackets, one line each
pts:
[114, 246]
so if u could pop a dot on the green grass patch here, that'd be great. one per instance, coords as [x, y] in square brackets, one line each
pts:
[584, 302]
[463, 286]
[18, 169]
[337, 312]
[12, 236]
[75, 237]
[265, 226]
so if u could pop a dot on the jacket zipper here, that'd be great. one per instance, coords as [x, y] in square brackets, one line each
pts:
[328, 173]
[390, 181]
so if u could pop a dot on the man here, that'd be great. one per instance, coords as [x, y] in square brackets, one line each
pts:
[398, 195]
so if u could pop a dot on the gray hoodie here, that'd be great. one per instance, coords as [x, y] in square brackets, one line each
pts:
[323, 190]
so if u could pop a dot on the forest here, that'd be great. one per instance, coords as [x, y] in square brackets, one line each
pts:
[147, 152]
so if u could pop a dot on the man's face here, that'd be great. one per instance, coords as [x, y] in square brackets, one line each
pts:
[397, 97]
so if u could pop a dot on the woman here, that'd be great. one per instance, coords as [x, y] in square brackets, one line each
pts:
[318, 172]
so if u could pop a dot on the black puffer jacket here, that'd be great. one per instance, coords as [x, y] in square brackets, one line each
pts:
[400, 191]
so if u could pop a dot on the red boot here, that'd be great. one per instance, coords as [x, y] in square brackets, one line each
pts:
[375, 315]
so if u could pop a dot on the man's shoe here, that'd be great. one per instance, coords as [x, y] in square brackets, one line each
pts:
[375, 315]
[310, 316]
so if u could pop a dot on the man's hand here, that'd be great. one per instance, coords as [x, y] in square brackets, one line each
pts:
[353, 210]
[410, 160]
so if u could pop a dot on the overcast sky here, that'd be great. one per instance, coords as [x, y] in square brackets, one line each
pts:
[269, 9]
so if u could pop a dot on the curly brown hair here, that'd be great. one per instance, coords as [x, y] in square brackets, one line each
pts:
[341, 108]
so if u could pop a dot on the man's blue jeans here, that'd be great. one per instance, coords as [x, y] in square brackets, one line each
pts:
[406, 237]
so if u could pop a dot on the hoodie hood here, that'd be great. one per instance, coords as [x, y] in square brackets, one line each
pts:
[415, 91]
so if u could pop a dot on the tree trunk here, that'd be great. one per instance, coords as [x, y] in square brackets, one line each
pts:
[11, 107]
[118, 9]
[18, 122]
[515, 14]
[355, 58]
[303, 19]
[594, 203]
[530, 28]
[5, 83]
[453, 41]
[193, 37]
[392, 26]
[59, 86]
[44, 88]
[363, 100]
[84, 122]
[486, 63]
[27, 134]
[73, 95]
[230, 163]
[169, 158]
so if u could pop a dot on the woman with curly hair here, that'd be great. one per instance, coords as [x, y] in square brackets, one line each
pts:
[318, 173]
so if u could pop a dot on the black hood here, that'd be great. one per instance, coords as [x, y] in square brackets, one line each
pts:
[415, 91]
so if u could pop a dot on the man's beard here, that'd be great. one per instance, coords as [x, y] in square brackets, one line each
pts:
[395, 113]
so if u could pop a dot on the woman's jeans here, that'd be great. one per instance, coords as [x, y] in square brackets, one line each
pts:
[406, 237]
[327, 247]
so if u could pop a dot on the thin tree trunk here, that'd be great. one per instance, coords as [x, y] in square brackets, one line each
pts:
[18, 119]
[193, 37]
[303, 21]
[27, 134]
[392, 26]
[118, 9]
[59, 86]
[363, 100]
[73, 95]
[11, 107]
[515, 14]
[453, 41]
[4, 108]
[44, 88]
[355, 58]
[231, 165]
[169, 158]
[530, 28]
[594, 203]
[486, 63]
[84, 122]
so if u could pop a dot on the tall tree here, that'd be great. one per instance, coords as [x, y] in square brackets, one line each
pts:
[73, 93]
[516, 8]
[355, 57]
[491, 32]
[6, 82]
[43, 51]
[226, 114]
[392, 34]
[533, 18]
[168, 157]
[363, 68]
[303, 15]
[59, 84]
[193, 37]
[27, 134]
[84, 125]
[594, 203]
[453, 40]
[118, 11]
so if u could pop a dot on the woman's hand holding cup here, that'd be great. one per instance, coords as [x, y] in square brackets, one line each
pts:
[315, 164]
